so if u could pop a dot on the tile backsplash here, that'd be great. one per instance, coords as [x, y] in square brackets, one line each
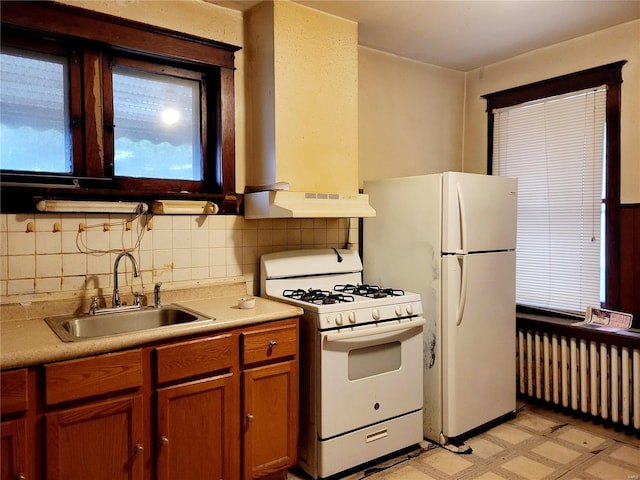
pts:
[48, 253]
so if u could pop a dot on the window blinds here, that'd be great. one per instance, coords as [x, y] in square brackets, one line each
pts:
[555, 147]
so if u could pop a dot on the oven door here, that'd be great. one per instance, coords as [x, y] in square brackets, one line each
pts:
[369, 374]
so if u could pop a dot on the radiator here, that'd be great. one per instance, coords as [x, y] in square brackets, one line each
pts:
[599, 380]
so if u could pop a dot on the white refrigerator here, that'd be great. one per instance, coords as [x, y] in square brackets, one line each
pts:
[451, 237]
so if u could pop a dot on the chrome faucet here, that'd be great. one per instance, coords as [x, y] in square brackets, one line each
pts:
[136, 273]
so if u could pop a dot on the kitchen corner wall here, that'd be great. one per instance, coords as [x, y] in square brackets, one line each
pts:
[44, 254]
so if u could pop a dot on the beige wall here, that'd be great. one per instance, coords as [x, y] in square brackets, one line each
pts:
[611, 45]
[410, 116]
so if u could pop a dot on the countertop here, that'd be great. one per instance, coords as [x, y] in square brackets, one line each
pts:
[29, 342]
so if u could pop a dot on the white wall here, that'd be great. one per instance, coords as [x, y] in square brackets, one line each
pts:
[621, 42]
[409, 115]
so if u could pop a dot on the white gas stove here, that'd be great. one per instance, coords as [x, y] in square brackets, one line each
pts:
[360, 345]
[327, 283]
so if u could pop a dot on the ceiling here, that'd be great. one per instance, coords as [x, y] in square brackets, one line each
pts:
[467, 34]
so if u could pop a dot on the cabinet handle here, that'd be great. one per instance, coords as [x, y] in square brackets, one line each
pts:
[138, 448]
[21, 477]
[249, 418]
[164, 441]
[272, 344]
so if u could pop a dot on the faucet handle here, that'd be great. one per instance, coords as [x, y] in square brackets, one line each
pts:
[137, 298]
[94, 306]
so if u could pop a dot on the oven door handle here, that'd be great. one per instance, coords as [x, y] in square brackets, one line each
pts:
[336, 337]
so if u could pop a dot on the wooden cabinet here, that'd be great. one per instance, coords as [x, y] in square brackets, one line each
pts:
[270, 399]
[197, 421]
[15, 461]
[98, 439]
[194, 430]
[101, 441]
[222, 405]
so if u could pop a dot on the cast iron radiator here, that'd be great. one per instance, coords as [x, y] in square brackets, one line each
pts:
[573, 370]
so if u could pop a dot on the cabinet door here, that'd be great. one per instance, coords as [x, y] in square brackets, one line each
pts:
[100, 441]
[195, 430]
[270, 419]
[13, 458]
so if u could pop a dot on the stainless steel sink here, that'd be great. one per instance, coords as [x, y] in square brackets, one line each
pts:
[85, 327]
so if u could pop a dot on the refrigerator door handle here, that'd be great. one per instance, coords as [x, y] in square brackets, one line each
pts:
[463, 220]
[462, 300]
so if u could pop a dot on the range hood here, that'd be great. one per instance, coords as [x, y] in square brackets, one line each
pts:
[285, 204]
[302, 103]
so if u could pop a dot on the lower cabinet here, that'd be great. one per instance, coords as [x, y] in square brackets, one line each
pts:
[221, 406]
[270, 433]
[270, 399]
[100, 441]
[195, 431]
[13, 458]
[17, 459]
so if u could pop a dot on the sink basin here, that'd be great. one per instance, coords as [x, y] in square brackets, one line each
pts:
[85, 327]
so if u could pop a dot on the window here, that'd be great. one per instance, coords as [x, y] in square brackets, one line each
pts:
[157, 130]
[35, 126]
[561, 138]
[97, 106]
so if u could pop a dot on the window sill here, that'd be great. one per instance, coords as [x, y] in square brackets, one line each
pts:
[557, 325]
[16, 199]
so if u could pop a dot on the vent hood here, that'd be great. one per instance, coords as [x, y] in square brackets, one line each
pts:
[284, 204]
[302, 114]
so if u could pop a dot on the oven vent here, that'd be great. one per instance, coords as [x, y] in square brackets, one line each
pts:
[596, 379]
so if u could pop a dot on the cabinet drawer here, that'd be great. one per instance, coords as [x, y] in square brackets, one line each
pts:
[13, 385]
[195, 357]
[270, 343]
[86, 377]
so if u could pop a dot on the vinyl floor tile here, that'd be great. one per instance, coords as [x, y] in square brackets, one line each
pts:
[556, 452]
[447, 462]
[582, 438]
[527, 468]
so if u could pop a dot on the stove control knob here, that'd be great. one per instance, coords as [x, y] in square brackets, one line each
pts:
[352, 317]
[375, 314]
[398, 310]
[339, 319]
[410, 309]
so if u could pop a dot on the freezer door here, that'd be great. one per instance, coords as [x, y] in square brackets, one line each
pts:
[478, 311]
[479, 212]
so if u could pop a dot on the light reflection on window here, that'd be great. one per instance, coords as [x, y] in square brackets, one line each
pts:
[157, 126]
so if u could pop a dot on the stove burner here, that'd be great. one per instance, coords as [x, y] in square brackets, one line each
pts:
[371, 291]
[319, 297]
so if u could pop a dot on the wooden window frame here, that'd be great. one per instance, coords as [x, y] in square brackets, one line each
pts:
[611, 76]
[95, 38]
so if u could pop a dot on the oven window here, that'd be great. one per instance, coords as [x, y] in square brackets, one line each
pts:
[374, 360]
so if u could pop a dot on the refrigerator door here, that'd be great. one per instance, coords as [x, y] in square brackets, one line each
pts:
[479, 212]
[478, 325]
